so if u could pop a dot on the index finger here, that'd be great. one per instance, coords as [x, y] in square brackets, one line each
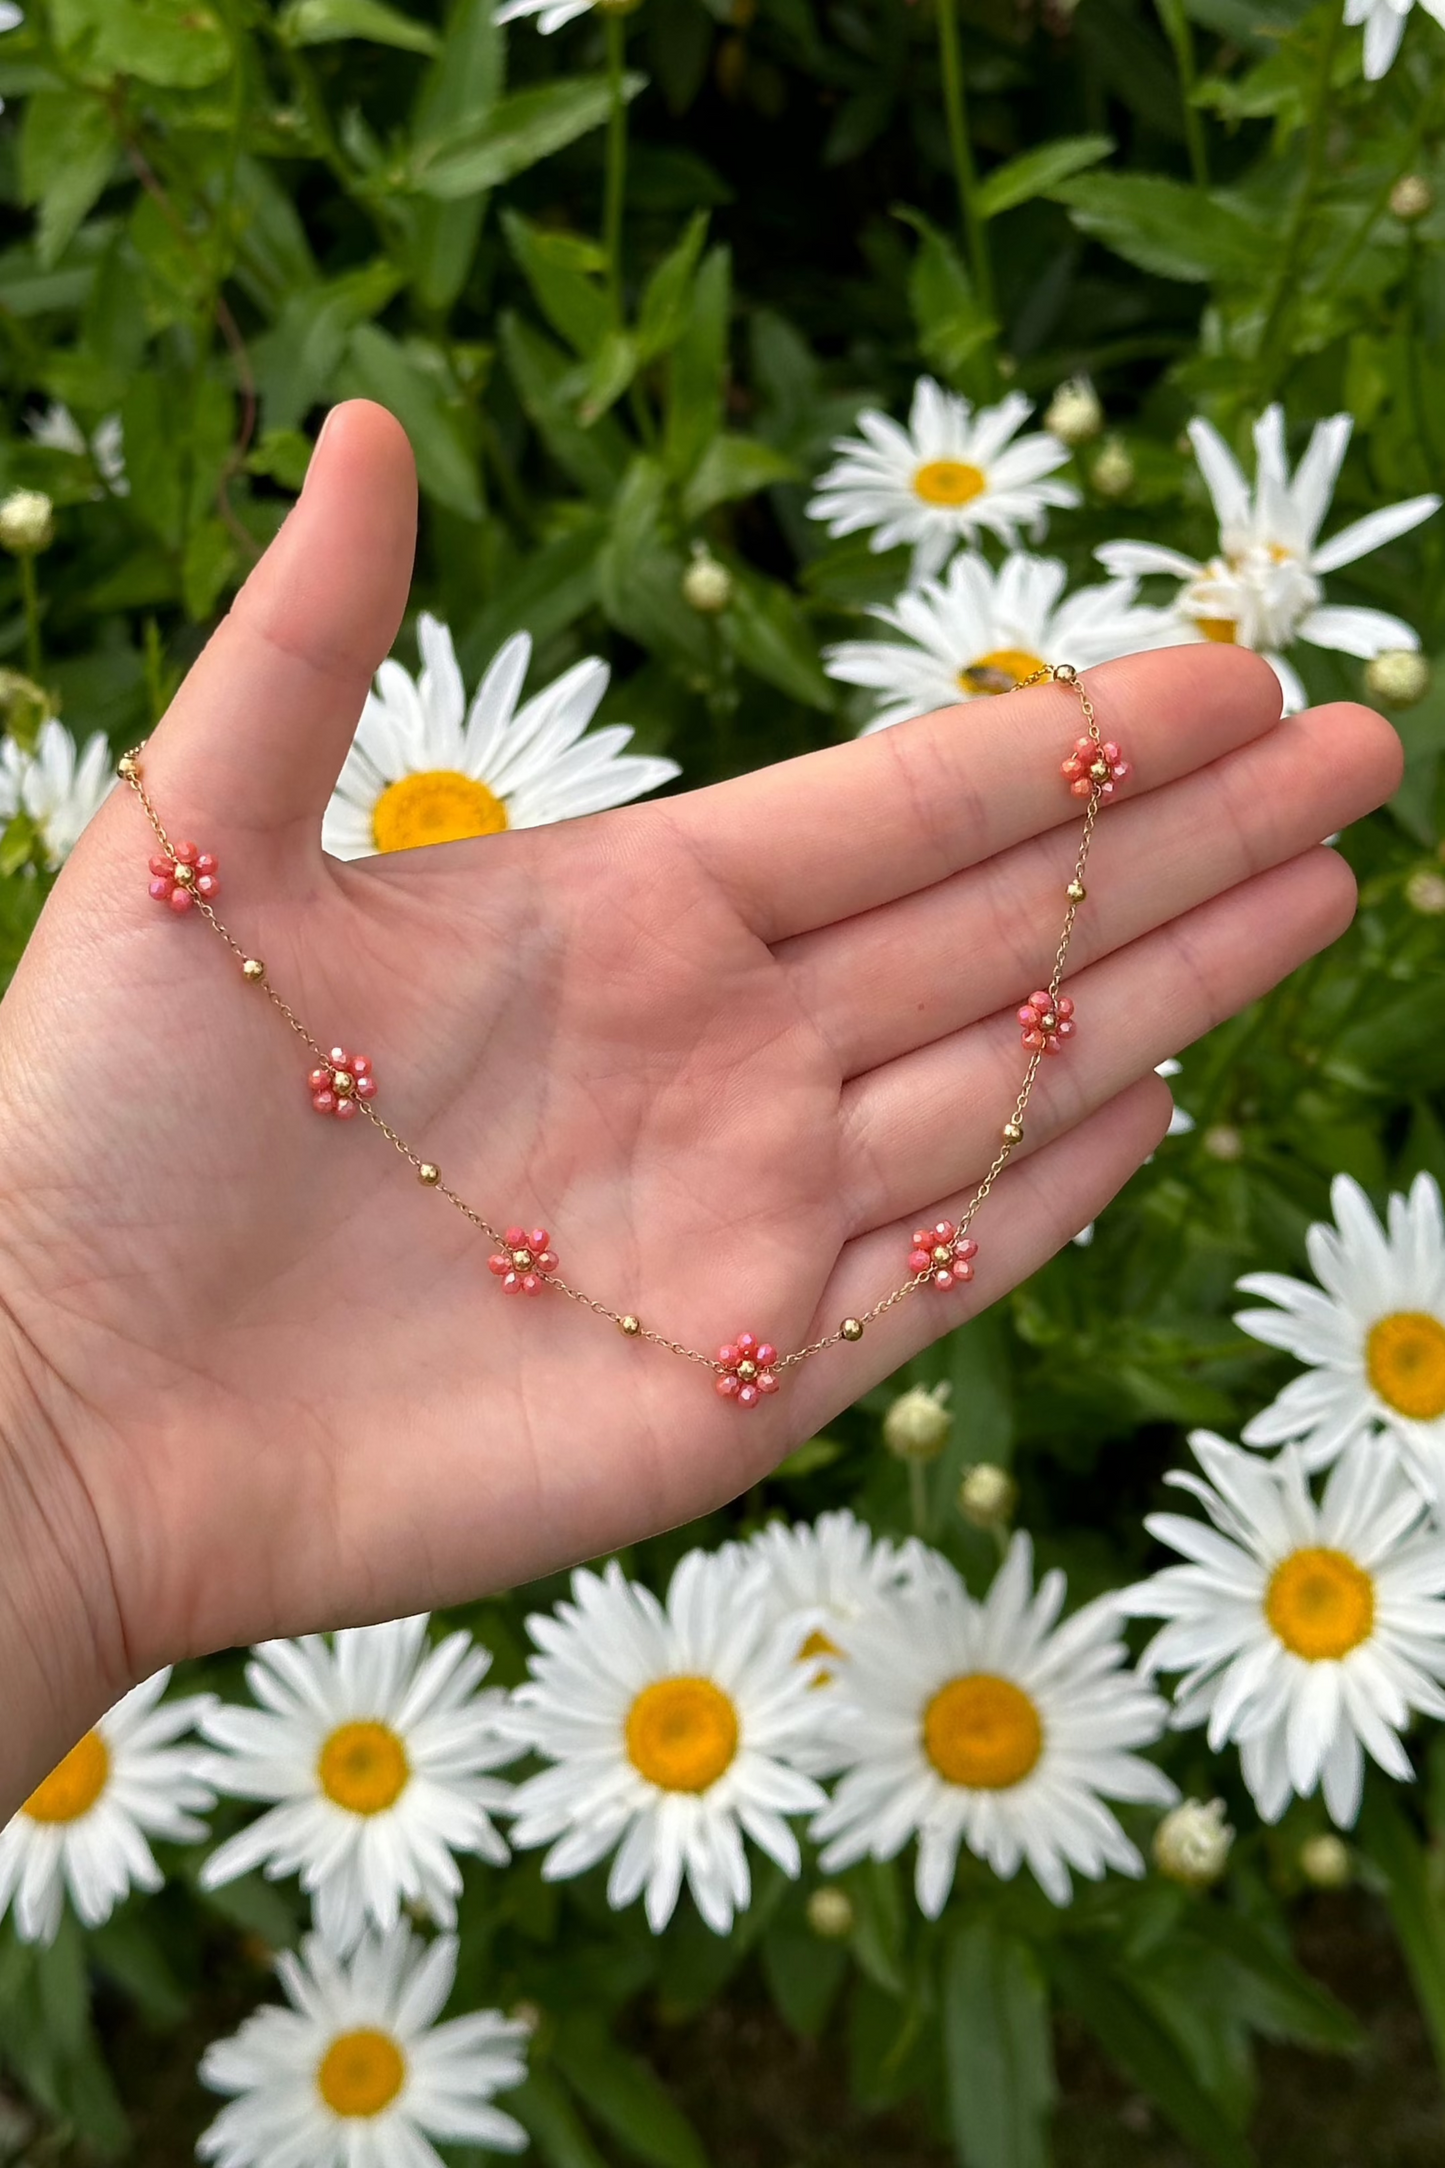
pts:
[816, 839]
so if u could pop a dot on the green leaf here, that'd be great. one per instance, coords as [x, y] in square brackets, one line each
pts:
[998, 2050]
[614, 365]
[697, 374]
[1389, 1840]
[595, 458]
[543, 2109]
[324, 22]
[175, 44]
[206, 565]
[19, 844]
[379, 367]
[67, 152]
[461, 89]
[626, 2097]
[1275, 1995]
[666, 298]
[519, 132]
[563, 270]
[806, 1459]
[1167, 227]
[296, 361]
[769, 634]
[1130, 2033]
[953, 326]
[1036, 172]
[734, 467]
[282, 455]
[129, 1952]
[804, 1973]
[548, 591]
[152, 457]
[639, 574]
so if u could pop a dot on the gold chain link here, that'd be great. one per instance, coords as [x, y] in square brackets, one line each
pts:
[1057, 673]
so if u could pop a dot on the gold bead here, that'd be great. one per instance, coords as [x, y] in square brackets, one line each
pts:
[253, 970]
[185, 876]
[1013, 1132]
[942, 1254]
[521, 1259]
[851, 1328]
[747, 1371]
[1100, 771]
[630, 1325]
[429, 1174]
[343, 1083]
[128, 767]
[1048, 1021]
[1076, 892]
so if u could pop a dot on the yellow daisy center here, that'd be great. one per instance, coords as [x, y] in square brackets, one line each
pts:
[74, 1785]
[361, 2072]
[682, 1734]
[1222, 629]
[1405, 1359]
[983, 1732]
[441, 806]
[1321, 1604]
[949, 481]
[363, 1767]
[999, 671]
[819, 1644]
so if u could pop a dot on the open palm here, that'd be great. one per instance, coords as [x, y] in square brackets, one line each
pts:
[728, 1047]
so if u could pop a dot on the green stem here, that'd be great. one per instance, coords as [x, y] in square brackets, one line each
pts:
[918, 1496]
[30, 594]
[616, 189]
[1289, 262]
[955, 110]
[1181, 36]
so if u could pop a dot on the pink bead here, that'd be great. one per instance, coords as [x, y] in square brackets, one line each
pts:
[747, 1343]
[180, 899]
[728, 1387]
[511, 1285]
[765, 1355]
[531, 1285]
[1066, 1030]
[921, 1238]
[337, 1057]
[515, 1238]
[187, 854]
[943, 1278]
[161, 888]
[963, 1270]
[347, 1110]
[324, 1102]
[1027, 1018]
[546, 1260]
[206, 862]
[747, 1396]
[943, 1231]
[1040, 1001]
[320, 1080]
[1110, 751]
[919, 1260]
[728, 1356]
[161, 867]
[1033, 1040]
[208, 884]
[767, 1383]
[360, 1065]
[1080, 789]
[366, 1087]
[499, 1264]
[967, 1247]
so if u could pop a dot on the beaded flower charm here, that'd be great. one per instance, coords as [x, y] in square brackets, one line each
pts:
[1095, 765]
[527, 1264]
[1046, 1024]
[745, 1370]
[340, 1082]
[943, 1253]
[191, 873]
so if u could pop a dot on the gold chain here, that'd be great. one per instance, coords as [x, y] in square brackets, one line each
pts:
[851, 1328]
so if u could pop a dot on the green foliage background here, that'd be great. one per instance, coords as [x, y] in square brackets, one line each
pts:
[222, 215]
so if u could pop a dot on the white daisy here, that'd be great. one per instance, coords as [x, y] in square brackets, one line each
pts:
[983, 1724]
[83, 1831]
[978, 632]
[1264, 590]
[949, 476]
[375, 1749]
[671, 1731]
[1305, 1631]
[1384, 22]
[357, 2073]
[1375, 1335]
[59, 789]
[59, 431]
[425, 768]
[551, 14]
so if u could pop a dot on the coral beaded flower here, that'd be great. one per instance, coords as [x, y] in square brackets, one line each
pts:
[528, 1262]
[943, 1253]
[189, 874]
[338, 1084]
[745, 1370]
[1095, 765]
[1047, 1023]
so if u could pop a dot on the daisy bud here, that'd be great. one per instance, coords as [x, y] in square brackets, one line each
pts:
[1411, 197]
[1075, 414]
[1112, 473]
[830, 1912]
[1191, 1844]
[1399, 677]
[27, 522]
[987, 1496]
[528, 2014]
[916, 1427]
[1223, 1141]
[1325, 1861]
[1425, 893]
[707, 586]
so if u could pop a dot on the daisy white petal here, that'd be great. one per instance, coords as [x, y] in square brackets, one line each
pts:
[59, 787]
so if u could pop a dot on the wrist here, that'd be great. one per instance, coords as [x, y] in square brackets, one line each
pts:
[62, 1645]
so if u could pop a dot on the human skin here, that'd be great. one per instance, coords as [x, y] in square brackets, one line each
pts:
[729, 1046]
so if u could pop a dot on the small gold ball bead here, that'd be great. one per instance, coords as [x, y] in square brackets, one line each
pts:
[942, 1254]
[851, 1328]
[1100, 771]
[128, 767]
[1076, 892]
[429, 1173]
[343, 1083]
[521, 1259]
[630, 1325]
[185, 876]
[1013, 1132]
[747, 1371]
[253, 971]
[1048, 1021]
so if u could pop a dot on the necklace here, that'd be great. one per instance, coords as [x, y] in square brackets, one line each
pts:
[746, 1369]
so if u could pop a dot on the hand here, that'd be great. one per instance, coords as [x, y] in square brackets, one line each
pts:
[727, 1046]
